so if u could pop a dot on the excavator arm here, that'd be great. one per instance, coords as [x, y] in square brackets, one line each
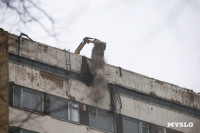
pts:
[82, 44]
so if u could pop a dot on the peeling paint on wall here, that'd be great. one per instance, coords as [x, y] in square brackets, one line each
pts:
[56, 79]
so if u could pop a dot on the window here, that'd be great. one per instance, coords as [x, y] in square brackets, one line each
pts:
[92, 117]
[64, 109]
[130, 125]
[160, 130]
[28, 99]
[101, 119]
[155, 129]
[145, 127]
[20, 130]
[73, 111]
[16, 96]
[171, 131]
[59, 107]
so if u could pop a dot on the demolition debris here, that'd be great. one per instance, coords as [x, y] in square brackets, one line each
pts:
[98, 70]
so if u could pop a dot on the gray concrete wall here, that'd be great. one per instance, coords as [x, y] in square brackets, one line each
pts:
[153, 87]
[46, 82]
[73, 89]
[131, 80]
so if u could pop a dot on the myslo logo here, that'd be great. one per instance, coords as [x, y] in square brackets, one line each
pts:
[180, 124]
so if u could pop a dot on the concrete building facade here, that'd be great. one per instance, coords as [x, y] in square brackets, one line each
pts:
[47, 90]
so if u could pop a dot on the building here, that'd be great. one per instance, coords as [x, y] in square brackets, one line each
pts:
[48, 90]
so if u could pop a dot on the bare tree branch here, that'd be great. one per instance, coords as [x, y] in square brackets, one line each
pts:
[23, 9]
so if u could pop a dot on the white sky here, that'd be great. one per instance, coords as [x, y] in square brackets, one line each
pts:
[157, 38]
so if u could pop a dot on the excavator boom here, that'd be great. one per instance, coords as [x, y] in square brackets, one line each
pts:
[82, 44]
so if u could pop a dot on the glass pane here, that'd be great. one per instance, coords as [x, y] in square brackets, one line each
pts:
[75, 105]
[59, 107]
[160, 130]
[19, 130]
[130, 125]
[27, 131]
[144, 130]
[92, 119]
[144, 127]
[170, 131]
[155, 129]
[105, 121]
[92, 109]
[74, 111]
[16, 96]
[32, 100]
[16, 130]
[75, 115]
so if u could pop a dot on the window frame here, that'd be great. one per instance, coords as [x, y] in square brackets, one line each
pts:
[21, 130]
[97, 119]
[145, 125]
[94, 110]
[164, 129]
[138, 122]
[21, 97]
[68, 109]
[58, 98]
[167, 130]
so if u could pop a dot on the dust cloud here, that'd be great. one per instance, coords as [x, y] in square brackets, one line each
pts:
[98, 70]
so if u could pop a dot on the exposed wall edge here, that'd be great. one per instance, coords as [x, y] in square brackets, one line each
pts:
[4, 82]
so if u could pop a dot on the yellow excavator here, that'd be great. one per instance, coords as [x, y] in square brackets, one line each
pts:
[82, 44]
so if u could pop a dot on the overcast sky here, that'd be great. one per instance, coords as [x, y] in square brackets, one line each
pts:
[156, 38]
